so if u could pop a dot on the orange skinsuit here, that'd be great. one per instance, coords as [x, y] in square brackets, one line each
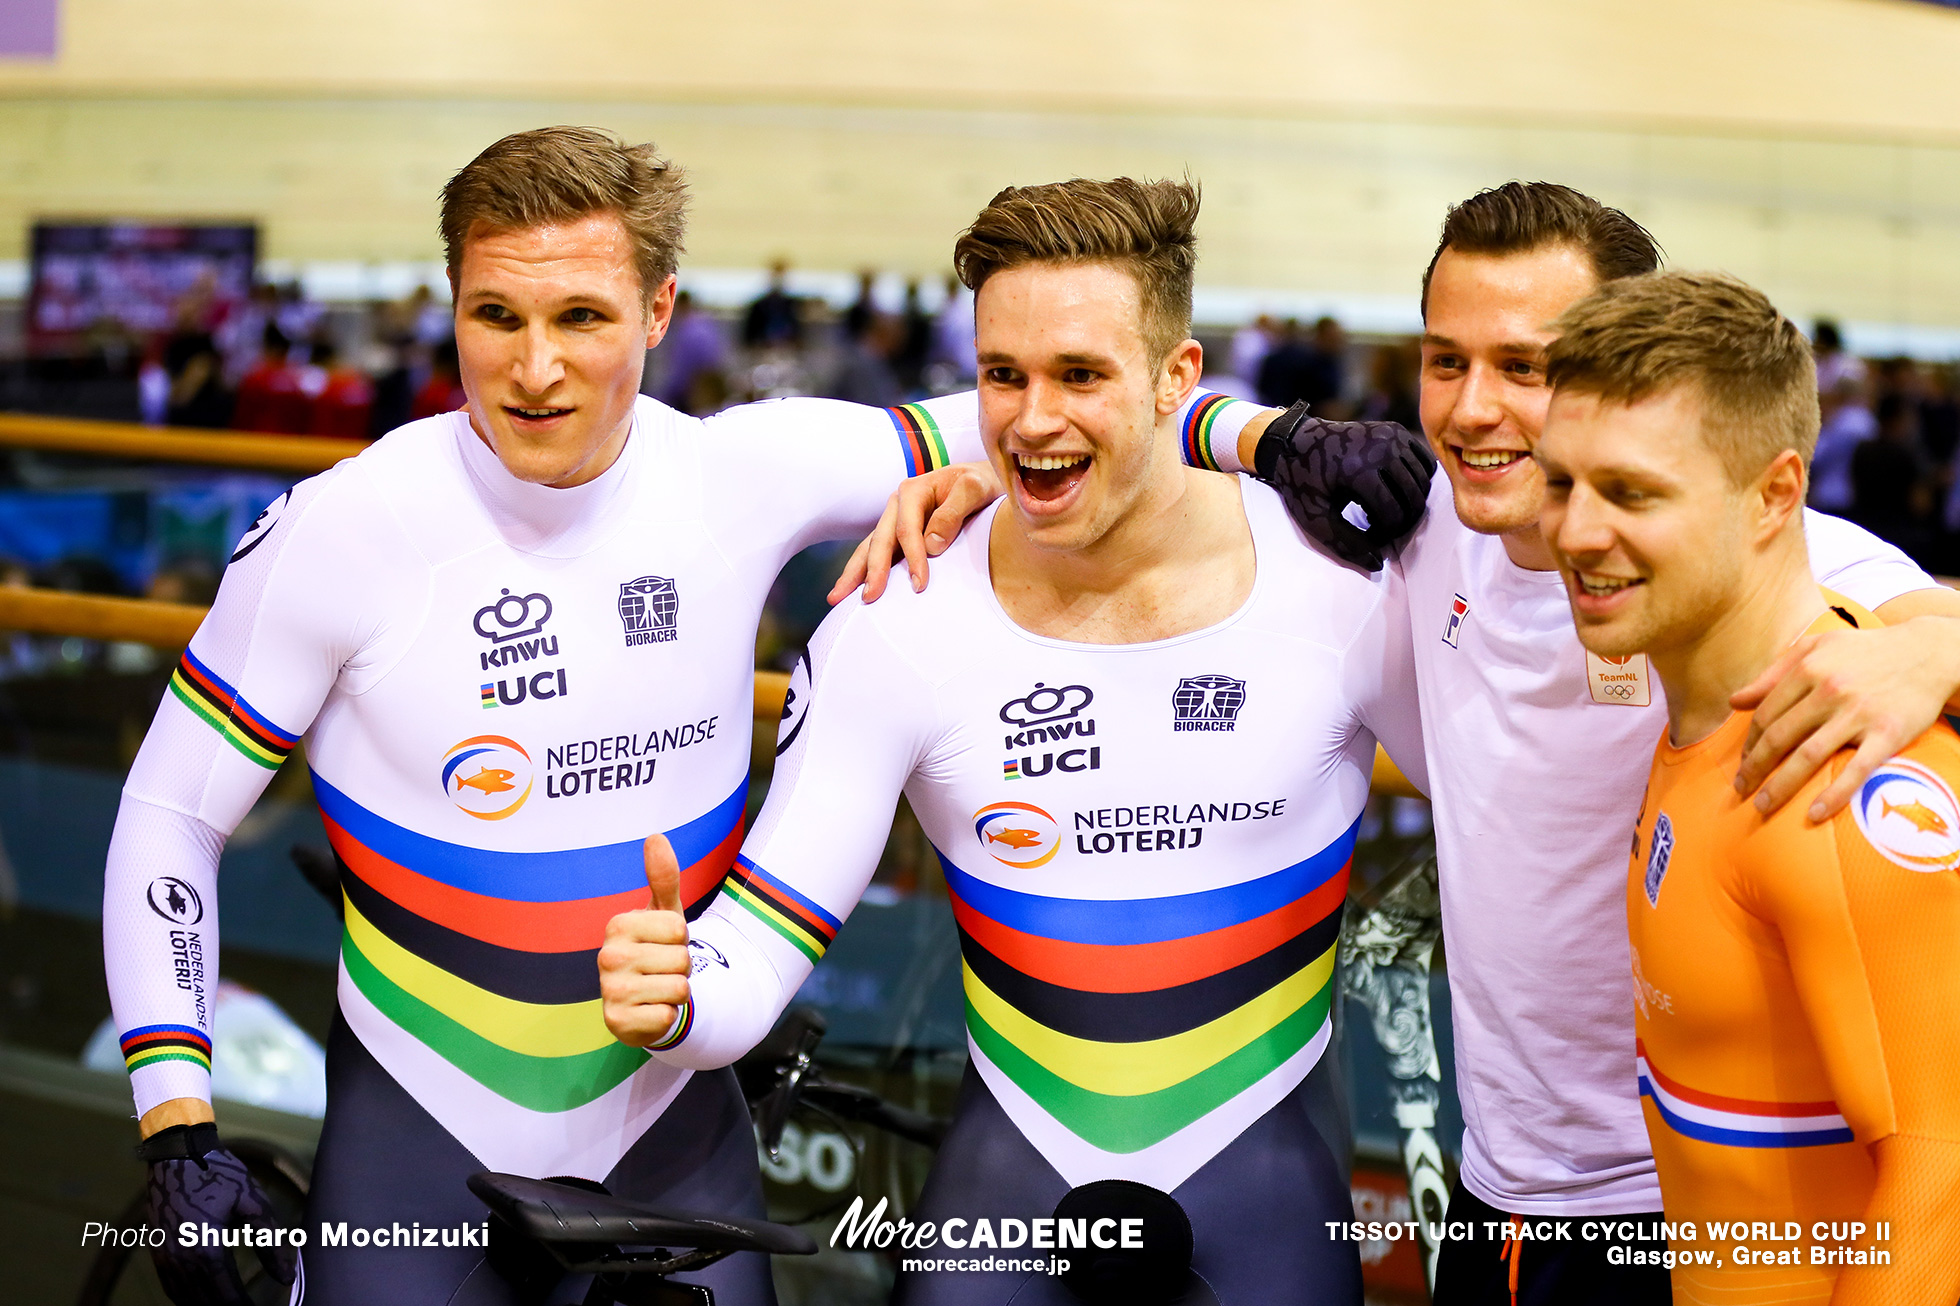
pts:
[1798, 989]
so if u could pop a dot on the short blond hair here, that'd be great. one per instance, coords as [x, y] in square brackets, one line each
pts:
[1148, 228]
[562, 174]
[1636, 337]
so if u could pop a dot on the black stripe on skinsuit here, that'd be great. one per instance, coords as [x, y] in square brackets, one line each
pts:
[225, 710]
[794, 911]
[508, 972]
[1158, 1013]
[915, 436]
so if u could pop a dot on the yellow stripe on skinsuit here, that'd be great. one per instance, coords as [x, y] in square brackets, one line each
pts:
[534, 1029]
[1133, 1069]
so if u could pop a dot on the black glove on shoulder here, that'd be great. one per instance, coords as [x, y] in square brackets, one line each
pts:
[195, 1180]
[1321, 467]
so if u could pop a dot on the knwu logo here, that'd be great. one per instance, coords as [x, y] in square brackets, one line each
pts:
[1048, 715]
[649, 609]
[514, 626]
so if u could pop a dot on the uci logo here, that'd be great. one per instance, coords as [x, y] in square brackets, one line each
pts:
[1020, 835]
[481, 775]
[1909, 814]
[512, 617]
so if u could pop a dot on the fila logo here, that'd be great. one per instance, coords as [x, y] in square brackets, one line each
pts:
[1459, 609]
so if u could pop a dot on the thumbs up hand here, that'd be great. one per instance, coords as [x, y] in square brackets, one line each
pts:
[644, 965]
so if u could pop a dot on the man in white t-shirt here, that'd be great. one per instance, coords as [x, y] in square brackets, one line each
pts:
[1536, 753]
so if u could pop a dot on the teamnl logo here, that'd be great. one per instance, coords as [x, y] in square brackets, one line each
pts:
[649, 609]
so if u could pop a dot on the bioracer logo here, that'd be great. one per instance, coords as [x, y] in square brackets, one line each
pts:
[1207, 703]
[649, 609]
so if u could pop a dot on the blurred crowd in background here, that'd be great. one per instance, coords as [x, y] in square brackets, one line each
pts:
[277, 362]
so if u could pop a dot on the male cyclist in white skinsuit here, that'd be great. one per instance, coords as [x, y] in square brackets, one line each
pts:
[515, 638]
[1141, 758]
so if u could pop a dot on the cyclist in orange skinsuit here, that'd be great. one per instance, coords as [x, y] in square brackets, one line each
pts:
[1796, 996]
[1797, 987]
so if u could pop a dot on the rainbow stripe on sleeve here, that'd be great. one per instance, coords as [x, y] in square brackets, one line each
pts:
[919, 437]
[808, 927]
[1198, 423]
[490, 959]
[1738, 1122]
[1128, 1020]
[154, 1043]
[683, 1022]
[220, 706]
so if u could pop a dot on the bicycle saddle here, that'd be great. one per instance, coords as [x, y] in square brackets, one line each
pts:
[1157, 1273]
[556, 1214]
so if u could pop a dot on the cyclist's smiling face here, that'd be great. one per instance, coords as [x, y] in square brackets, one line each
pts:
[1070, 398]
[552, 332]
[1485, 329]
[1651, 535]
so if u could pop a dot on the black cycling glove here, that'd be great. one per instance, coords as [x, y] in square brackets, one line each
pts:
[194, 1180]
[1321, 467]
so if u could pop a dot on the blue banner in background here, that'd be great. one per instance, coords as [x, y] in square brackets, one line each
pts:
[133, 532]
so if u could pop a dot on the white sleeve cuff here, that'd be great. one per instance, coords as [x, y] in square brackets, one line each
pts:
[1208, 429]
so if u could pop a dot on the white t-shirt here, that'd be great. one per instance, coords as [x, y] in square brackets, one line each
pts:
[1537, 756]
[1146, 845]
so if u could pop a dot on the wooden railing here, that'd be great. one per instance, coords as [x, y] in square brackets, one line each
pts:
[176, 444]
[94, 616]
